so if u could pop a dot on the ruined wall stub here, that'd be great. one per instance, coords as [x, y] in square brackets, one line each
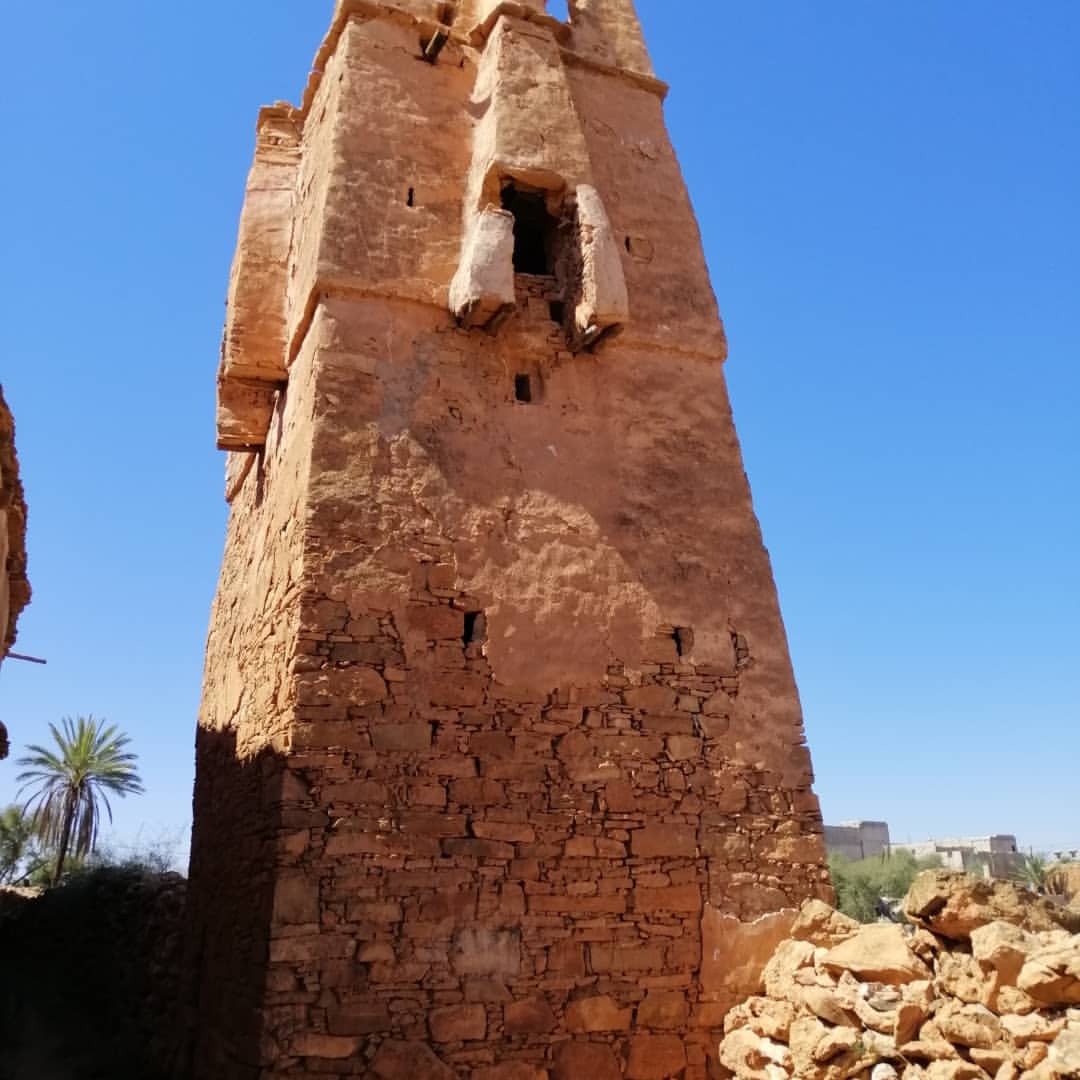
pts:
[14, 586]
[501, 769]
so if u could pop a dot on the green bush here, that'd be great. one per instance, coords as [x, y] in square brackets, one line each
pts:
[23, 861]
[861, 884]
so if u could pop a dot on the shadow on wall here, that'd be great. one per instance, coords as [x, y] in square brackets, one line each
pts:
[238, 803]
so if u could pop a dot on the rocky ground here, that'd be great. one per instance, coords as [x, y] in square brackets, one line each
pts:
[984, 985]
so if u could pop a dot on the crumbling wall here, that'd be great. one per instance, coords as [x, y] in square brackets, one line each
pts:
[14, 585]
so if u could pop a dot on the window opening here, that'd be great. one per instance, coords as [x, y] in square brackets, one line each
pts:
[523, 388]
[684, 640]
[533, 230]
[629, 246]
[557, 310]
[411, 200]
[475, 627]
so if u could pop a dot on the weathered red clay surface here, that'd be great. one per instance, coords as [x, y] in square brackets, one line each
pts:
[500, 753]
[14, 586]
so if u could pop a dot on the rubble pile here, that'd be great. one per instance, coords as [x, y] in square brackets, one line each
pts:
[983, 985]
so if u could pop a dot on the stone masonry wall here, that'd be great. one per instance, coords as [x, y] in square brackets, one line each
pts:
[502, 867]
[243, 728]
[502, 773]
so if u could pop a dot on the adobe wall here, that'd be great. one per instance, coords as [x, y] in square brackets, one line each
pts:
[14, 586]
[525, 829]
[244, 730]
[501, 762]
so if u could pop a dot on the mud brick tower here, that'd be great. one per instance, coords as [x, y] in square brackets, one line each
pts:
[501, 769]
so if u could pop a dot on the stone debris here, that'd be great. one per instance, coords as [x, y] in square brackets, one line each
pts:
[984, 986]
[952, 907]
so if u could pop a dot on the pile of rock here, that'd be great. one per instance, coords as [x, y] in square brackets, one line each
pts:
[983, 986]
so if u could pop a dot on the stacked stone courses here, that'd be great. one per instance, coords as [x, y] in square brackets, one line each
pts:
[501, 768]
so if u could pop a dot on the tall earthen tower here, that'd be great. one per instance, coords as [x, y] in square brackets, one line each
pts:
[501, 767]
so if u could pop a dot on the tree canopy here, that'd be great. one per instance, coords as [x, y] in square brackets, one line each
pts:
[69, 784]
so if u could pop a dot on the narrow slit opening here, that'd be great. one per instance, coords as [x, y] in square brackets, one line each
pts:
[475, 628]
[411, 199]
[684, 640]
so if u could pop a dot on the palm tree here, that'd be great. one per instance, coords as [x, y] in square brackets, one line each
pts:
[70, 784]
[1034, 873]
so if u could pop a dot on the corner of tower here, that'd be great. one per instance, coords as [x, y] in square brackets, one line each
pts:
[609, 32]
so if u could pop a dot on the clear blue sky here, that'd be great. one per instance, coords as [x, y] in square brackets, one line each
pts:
[888, 196]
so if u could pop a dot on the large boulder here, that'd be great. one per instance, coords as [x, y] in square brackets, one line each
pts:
[822, 925]
[1051, 975]
[877, 953]
[1064, 1056]
[953, 904]
[1002, 947]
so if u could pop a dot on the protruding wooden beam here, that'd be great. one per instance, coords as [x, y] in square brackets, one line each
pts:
[435, 44]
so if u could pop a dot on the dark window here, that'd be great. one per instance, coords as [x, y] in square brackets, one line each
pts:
[558, 311]
[523, 388]
[475, 627]
[411, 200]
[533, 230]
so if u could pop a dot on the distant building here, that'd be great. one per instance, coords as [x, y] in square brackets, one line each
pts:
[857, 839]
[991, 856]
